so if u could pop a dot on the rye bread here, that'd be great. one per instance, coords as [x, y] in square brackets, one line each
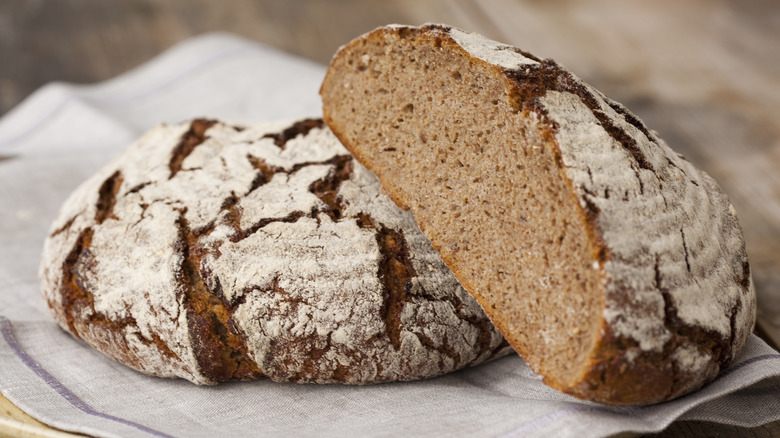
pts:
[212, 252]
[615, 268]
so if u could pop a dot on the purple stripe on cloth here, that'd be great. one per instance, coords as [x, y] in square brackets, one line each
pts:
[8, 334]
[124, 100]
[541, 421]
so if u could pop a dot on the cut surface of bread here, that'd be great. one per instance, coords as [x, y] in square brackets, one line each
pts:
[212, 251]
[614, 267]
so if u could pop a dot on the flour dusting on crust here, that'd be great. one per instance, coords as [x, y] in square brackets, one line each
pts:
[212, 252]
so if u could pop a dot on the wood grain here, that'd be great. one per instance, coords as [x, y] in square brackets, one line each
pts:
[705, 74]
[16, 423]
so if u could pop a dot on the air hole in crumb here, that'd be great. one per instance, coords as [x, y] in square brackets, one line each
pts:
[409, 108]
[456, 75]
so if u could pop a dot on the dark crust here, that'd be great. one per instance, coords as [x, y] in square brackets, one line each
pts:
[298, 128]
[191, 139]
[71, 291]
[327, 189]
[107, 197]
[220, 349]
[611, 377]
[395, 273]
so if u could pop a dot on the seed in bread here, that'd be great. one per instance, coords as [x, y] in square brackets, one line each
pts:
[215, 252]
[611, 264]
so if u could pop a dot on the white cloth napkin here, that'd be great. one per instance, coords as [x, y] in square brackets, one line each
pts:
[63, 133]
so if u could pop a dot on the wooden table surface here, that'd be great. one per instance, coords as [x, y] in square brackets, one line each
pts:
[705, 74]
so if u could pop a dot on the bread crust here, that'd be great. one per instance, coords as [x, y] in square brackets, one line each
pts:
[211, 251]
[677, 304]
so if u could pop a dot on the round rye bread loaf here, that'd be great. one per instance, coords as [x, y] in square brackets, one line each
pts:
[215, 252]
[615, 268]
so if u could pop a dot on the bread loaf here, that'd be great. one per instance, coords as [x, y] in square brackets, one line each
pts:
[212, 252]
[614, 267]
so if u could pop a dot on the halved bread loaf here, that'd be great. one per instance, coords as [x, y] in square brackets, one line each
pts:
[614, 267]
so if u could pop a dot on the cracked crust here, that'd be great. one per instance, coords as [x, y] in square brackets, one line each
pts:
[214, 252]
[612, 265]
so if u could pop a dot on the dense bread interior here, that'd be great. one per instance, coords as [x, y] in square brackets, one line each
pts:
[483, 179]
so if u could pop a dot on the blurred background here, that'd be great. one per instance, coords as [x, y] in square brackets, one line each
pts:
[705, 74]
